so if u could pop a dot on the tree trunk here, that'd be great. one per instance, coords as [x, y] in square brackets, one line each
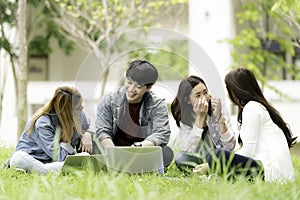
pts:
[22, 73]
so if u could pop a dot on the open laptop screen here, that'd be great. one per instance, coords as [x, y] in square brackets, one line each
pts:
[135, 159]
[95, 163]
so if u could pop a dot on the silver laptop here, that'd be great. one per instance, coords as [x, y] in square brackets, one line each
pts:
[135, 159]
[94, 163]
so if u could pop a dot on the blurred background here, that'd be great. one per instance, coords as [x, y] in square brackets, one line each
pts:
[88, 44]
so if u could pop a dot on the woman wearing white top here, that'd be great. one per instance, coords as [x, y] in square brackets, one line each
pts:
[264, 135]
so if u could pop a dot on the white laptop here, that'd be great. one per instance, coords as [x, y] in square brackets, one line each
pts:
[135, 159]
[94, 163]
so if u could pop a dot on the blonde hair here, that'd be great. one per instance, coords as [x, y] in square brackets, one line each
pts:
[66, 103]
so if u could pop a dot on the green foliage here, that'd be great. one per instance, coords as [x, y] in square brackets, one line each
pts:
[174, 185]
[287, 6]
[38, 44]
[47, 28]
[96, 23]
[289, 10]
[170, 60]
[261, 29]
[7, 12]
[7, 18]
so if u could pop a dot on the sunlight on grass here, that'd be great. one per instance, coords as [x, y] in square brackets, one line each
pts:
[173, 185]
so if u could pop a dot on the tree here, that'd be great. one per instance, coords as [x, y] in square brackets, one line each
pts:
[22, 72]
[28, 43]
[290, 11]
[173, 52]
[91, 22]
[96, 23]
[7, 21]
[39, 18]
[263, 42]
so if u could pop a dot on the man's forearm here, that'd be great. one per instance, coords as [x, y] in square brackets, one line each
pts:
[107, 143]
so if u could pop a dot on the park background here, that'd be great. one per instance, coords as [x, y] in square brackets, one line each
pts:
[89, 47]
[88, 44]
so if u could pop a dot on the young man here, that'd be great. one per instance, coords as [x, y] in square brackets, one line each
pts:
[133, 115]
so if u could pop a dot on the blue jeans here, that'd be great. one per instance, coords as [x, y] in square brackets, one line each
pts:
[23, 160]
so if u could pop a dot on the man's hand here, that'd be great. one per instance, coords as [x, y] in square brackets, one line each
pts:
[146, 143]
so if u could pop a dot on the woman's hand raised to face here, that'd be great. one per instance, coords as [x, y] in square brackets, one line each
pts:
[216, 107]
[201, 109]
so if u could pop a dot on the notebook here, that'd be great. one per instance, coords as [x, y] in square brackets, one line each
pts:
[94, 163]
[135, 159]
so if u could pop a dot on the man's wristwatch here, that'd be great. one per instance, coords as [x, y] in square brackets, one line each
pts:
[137, 144]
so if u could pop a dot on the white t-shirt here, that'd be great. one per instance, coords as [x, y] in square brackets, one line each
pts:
[263, 140]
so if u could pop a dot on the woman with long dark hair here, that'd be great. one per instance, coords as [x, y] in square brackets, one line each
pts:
[202, 124]
[264, 135]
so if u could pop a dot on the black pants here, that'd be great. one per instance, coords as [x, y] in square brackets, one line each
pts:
[228, 163]
[221, 162]
[186, 161]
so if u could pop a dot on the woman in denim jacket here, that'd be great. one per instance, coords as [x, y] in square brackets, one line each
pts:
[202, 126]
[53, 133]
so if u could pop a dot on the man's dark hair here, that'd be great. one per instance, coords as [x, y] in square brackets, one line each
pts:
[142, 72]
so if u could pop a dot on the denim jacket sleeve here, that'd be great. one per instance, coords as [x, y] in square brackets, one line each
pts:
[104, 119]
[226, 140]
[46, 138]
[160, 123]
[85, 123]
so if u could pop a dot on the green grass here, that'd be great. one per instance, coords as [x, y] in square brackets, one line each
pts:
[174, 185]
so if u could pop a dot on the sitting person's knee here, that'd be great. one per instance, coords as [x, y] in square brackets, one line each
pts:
[186, 161]
[17, 158]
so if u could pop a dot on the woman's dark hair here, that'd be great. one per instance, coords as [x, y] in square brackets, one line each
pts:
[181, 109]
[242, 87]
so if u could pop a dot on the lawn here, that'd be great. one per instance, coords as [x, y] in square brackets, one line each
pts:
[173, 185]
